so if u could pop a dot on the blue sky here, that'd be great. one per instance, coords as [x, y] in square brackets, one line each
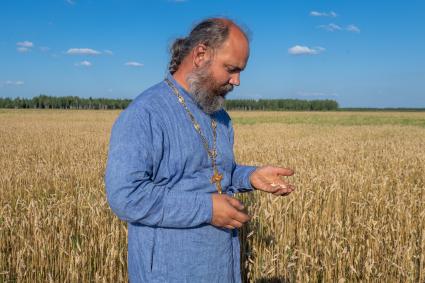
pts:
[360, 53]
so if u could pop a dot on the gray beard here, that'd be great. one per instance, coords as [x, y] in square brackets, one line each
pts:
[205, 91]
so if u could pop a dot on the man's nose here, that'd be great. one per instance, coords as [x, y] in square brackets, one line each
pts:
[235, 79]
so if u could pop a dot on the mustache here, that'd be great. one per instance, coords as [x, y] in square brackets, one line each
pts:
[223, 90]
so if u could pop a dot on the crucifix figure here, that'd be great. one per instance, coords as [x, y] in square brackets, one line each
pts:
[216, 178]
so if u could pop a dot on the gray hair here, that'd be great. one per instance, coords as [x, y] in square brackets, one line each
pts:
[211, 32]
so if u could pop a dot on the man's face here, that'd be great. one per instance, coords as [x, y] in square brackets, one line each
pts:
[210, 83]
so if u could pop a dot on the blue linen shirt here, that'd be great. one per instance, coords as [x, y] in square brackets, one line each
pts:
[158, 179]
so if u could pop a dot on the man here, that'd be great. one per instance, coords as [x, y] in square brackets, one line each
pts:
[171, 172]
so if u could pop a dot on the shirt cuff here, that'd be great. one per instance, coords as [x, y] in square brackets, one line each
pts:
[241, 176]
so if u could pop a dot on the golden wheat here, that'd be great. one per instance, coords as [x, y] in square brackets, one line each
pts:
[357, 215]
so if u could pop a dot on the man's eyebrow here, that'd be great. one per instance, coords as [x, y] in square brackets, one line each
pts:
[235, 68]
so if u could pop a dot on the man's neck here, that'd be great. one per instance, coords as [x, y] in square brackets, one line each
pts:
[180, 77]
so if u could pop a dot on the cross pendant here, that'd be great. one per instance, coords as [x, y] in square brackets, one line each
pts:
[216, 178]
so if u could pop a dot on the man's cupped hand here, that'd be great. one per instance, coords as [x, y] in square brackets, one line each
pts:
[269, 179]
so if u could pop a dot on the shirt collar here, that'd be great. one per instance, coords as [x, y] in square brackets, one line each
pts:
[183, 92]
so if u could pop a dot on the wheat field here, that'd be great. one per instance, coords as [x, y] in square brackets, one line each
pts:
[357, 214]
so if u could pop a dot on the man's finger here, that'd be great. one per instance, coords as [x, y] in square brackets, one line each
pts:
[240, 216]
[280, 192]
[235, 224]
[289, 188]
[284, 171]
[283, 192]
[271, 188]
[236, 204]
[284, 189]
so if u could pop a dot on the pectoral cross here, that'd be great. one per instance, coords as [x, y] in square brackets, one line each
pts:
[216, 178]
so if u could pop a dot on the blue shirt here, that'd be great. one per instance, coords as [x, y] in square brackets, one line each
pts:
[158, 179]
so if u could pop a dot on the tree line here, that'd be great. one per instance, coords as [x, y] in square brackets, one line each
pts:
[64, 102]
[75, 102]
[282, 104]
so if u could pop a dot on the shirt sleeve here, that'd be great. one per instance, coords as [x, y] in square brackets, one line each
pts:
[131, 193]
[240, 173]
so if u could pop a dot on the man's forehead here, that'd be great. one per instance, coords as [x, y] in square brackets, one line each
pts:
[235, 50]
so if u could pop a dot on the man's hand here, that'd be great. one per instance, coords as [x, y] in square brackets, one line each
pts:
[268, 179]
[227, 212]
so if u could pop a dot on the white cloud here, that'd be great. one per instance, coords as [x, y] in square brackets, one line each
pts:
[304, 50]
[334, 27]
[352, 28]
[331, 14]
[12, 83]
[71, 2]
[24, 46]
[83, 64]
[134, 64]
[22, 49]
[330, 27]
[25, 43]
[44, 48]
[108, 52]
[82, 51]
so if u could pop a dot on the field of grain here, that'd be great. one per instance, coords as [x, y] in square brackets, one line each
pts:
[357, 215]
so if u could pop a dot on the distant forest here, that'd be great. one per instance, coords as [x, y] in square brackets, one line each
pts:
[75, 102]
[64, 102]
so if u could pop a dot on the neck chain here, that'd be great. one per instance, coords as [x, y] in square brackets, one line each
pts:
[212, 153]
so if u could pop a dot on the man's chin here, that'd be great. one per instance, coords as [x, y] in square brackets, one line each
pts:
[224, 94]
[215, 106]
[224, 91]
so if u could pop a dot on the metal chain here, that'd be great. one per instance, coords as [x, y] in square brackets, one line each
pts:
[211, 153]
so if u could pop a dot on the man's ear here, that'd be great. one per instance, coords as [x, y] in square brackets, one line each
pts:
[200, 55]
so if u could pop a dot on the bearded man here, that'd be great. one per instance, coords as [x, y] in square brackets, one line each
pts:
[171, 172]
